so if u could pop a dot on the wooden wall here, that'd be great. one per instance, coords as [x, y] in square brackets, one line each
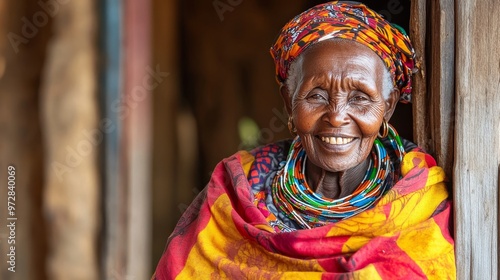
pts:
[129, 77]
[70, 112]
[52, 130]
[21, 63]
[457, 118]
[141, 77]
[165, 169]
[477, 138]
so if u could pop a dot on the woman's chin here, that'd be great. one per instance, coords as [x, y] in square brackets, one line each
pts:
[333, 165]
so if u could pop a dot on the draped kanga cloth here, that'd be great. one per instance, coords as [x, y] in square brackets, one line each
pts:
[404, 236]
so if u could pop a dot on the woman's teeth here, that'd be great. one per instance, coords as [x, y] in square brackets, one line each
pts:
[336, 140]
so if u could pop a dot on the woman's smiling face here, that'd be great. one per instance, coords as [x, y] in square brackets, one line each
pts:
[337, 103]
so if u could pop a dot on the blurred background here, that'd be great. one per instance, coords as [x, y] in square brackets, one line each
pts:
[114, 113]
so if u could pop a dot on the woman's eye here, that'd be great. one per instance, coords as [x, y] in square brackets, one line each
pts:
[359, 98]
[316, 96]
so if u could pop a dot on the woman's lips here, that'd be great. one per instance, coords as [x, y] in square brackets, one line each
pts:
[337, 140]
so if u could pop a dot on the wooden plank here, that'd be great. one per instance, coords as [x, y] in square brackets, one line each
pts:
[21, 145]
[115, 192]
[477, 140]
[418, 31]
[70, 124]
[165, 170]
[115, 223]
[442, 82]
[140, 78]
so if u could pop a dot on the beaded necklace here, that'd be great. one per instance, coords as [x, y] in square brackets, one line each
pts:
[292, 195]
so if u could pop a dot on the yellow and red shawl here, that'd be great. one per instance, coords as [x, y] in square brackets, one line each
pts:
[404, 236]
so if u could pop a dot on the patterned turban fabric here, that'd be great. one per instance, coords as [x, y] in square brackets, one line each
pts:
[351, 21]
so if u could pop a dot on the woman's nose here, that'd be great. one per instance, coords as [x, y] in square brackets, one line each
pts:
[336, 116]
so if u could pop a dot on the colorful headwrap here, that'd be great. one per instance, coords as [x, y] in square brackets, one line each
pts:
[352, 21]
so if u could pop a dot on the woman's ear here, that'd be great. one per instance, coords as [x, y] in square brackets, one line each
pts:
[287, 99]
[390, 103]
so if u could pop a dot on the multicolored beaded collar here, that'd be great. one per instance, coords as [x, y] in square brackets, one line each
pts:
[292, 195]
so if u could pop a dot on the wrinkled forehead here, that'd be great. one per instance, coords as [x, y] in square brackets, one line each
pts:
[341, 50]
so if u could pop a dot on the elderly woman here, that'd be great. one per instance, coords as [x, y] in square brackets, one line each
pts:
[347, 198]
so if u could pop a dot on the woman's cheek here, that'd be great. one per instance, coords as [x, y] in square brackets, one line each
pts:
[305, 120]
[370, 122]
[370, 127]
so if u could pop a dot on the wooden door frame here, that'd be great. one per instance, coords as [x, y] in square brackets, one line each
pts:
[455, 99]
